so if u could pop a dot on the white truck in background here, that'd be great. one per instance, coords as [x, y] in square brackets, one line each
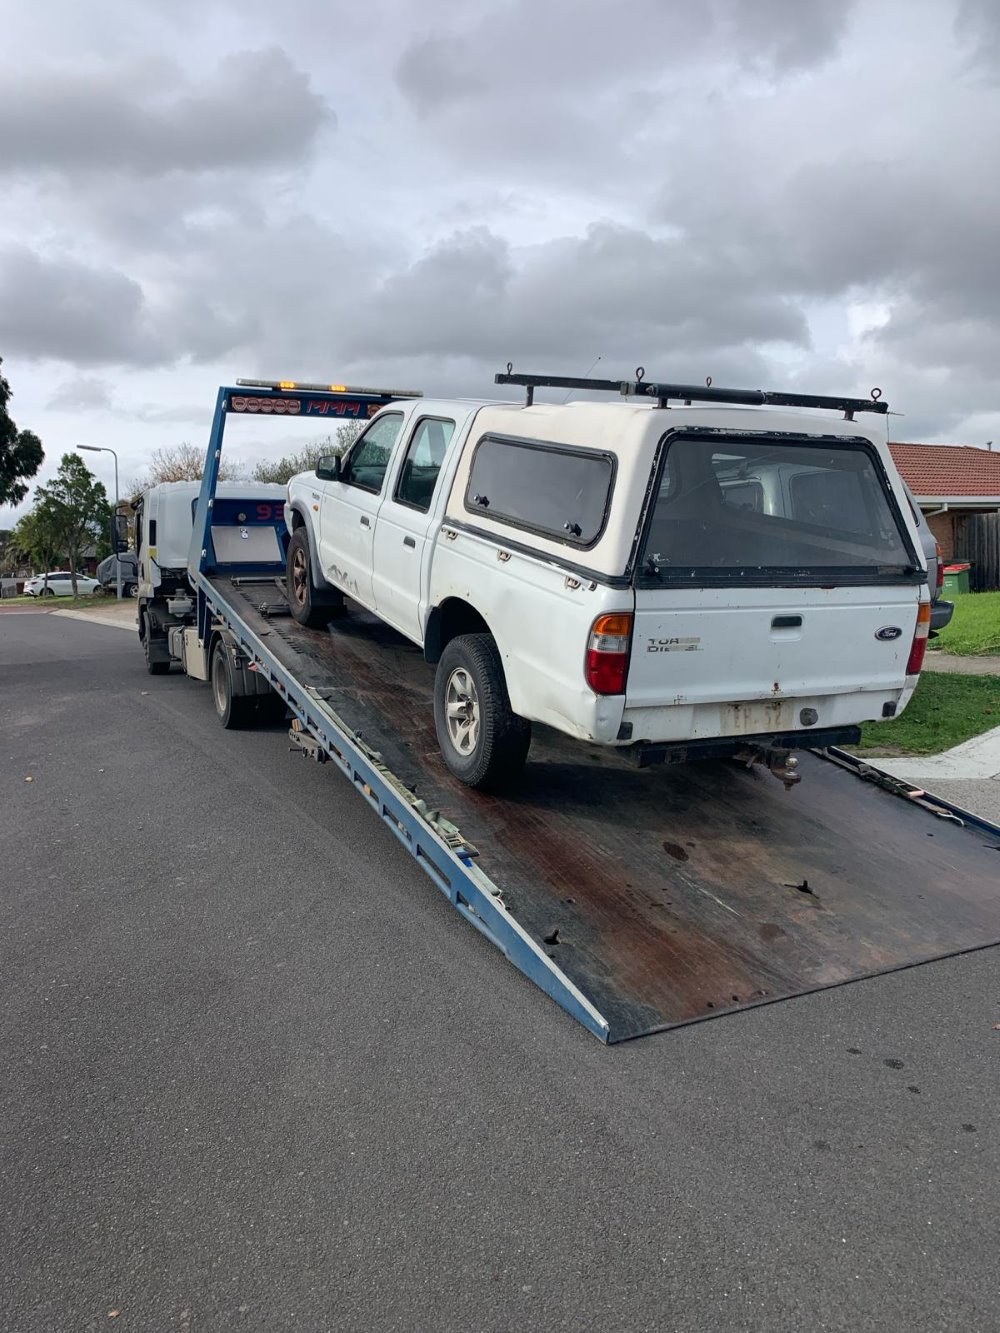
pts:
[243, 529]
[742, 577]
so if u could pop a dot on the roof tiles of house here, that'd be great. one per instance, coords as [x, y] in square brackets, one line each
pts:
[945, 470]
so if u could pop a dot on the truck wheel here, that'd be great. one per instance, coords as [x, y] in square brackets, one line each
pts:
[154, 665]
[482, 740]
[308, 606]
[234, 710]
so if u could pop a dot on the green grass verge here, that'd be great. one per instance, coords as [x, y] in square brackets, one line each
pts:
[58, 603]
[945, 710]
[975, 627]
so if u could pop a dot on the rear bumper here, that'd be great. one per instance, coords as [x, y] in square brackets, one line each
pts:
[941, 614]
[742, 719]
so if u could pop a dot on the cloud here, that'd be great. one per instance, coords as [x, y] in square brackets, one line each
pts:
[146, 119]
[86, 394]
[617, 292]
[433, 72]
[59, 308]
[977, 25]
[577, 92]
[783, 37]
[570, 48]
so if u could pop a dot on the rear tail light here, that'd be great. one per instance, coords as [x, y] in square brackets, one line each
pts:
[916, 660]
[607, 653]
[940, 567]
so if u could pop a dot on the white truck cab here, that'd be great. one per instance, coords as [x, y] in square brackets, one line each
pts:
[675, 581]
[243, 530]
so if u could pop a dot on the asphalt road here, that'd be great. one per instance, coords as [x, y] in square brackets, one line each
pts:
[257, 1074]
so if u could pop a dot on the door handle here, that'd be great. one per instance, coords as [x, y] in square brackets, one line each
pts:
[408, 541]
[366, 522]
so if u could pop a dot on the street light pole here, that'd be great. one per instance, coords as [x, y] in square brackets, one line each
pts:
[103, 449]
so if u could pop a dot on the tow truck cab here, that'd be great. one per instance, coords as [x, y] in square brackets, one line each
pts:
[247, 529]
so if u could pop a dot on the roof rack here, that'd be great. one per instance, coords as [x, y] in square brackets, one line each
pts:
[640, 387]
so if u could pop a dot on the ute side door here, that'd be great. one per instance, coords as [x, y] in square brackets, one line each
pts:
[401, 549]
[349, 506]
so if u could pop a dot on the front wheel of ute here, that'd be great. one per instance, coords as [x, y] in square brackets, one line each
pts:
[309, 607]
[482, 740]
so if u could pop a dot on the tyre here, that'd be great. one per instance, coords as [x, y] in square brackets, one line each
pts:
[130, 590]
[482, 740]
[308, 606]
[48, 592]
[153, 648]
[98, 591]
[242, 698]
[234, 710]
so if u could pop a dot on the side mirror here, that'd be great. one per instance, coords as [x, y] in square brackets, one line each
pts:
[119, 533]
[328, 467]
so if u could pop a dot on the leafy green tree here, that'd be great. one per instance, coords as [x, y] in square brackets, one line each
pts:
[36, 541]
[280, 470]
[76, 506]
[21, 452]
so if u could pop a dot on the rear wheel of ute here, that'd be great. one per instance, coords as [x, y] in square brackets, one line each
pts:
[308, 606]
[482, 740]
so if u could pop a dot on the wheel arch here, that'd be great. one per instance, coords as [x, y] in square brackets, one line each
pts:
[453, 617]
[300, 519]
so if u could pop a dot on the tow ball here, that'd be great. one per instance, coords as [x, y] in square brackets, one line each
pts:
[780, 763]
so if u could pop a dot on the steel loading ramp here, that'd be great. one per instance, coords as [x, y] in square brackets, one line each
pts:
[643, 899]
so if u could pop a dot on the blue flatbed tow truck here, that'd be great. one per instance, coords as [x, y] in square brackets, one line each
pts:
[638, 900]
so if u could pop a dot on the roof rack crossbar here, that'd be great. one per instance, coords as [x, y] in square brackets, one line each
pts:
[641, 388]
[752, 397]
[560, 382]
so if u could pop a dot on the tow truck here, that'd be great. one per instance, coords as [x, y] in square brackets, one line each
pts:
[639, 899]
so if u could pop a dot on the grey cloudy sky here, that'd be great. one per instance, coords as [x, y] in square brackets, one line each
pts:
[774, 192]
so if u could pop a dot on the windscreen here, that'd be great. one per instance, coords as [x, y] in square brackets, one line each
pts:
[756, 510]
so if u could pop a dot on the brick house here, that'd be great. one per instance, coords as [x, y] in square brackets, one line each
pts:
[950, 483]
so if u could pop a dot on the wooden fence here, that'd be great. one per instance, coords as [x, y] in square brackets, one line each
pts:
[978, 541]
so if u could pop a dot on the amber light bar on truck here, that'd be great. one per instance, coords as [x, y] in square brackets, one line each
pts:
[286, 385]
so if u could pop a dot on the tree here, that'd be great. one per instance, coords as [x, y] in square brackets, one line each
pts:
[279, 470]
[21, 452]
[76, 506]
[181, 462]
[36, 540]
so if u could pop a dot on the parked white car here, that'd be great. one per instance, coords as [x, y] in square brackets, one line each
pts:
[59, 583]
[676, 581]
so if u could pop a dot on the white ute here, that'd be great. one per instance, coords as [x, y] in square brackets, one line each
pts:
[677, 581]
